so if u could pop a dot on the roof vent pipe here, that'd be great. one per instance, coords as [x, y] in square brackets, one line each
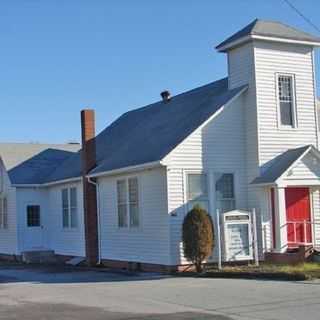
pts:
[165, 95]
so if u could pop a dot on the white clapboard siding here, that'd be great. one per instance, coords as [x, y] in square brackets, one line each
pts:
[65, 241]
[241, 71]
[31, 196]
[54, 236]
[306, 168]
[150, 242]
[264, 223]
[217, 147]
[8, 236]
[240, 66]
[272, 58]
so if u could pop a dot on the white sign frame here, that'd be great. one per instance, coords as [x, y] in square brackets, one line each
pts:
[227, 224]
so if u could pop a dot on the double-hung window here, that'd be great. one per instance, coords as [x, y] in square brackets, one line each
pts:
[197, 190]
[286, 100]
[225, 198]
[69, 208]
[3, 213]
[128, 203]
[1, 178]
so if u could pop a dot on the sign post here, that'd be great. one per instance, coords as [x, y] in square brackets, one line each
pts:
[255, 238]
[219, 240]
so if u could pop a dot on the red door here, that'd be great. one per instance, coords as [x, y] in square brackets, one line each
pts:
[298, 211]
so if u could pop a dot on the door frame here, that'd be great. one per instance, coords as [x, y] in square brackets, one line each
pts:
[310, 207]
[25, 223]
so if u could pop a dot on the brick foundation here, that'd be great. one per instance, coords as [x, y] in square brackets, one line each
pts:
[302, 254]
[145, 267]
[10, 257]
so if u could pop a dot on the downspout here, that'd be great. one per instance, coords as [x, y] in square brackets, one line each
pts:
[98, 217]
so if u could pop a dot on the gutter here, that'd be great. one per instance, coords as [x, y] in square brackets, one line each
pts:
[47, 184]
[144, 166]
[26, 185]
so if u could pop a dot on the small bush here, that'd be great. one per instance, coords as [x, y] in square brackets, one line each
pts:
[197, 236]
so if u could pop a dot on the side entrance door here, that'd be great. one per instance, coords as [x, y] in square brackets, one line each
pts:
[33, 238]
[298, 212]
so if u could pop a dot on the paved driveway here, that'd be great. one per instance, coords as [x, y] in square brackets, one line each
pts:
[63, 294]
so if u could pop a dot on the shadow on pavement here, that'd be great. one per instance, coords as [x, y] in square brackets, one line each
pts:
[62, 274]
[31, 311]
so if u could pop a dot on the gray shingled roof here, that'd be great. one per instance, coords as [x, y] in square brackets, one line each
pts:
[280, 164]
[37, 169]
[270, 29]
[31, 163]
[148, 134]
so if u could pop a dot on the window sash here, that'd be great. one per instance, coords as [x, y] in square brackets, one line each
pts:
[197, 190]
[1, 178]
[200, 183]
[133, 201]
[128, 203]
[225, 195]
[69, 208]
[286, 100]
[73, 208]
[3, 213]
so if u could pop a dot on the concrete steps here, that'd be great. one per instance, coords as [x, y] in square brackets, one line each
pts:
[39, 256]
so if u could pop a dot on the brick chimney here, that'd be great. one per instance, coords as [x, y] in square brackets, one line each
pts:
[88, 156]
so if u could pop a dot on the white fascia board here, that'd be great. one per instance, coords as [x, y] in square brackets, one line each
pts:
[48, 184]
[267, 184]
[144, 166]
[265, 38]
[26, 185]
[233, 44]
[140, 167]
[164, 161]
[299, 182]
[293, 41]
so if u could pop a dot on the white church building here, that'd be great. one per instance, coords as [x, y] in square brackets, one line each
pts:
[250, 140]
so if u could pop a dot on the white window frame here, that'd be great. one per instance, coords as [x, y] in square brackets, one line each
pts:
[215, 173]
[294, 104]
[1, 177]
[70, 208]
[128, 226]
[3, 212]
[189, 201]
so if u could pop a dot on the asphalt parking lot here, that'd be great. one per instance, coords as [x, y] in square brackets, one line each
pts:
[49, 293]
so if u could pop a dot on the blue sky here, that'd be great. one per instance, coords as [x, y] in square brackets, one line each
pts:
[58, 57]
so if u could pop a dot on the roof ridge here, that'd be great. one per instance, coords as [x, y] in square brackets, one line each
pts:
[175, 96]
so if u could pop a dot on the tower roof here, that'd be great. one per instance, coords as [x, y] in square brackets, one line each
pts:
[268, 30]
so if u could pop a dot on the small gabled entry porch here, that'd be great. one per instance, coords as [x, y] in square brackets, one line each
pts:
[293, 220]
[292, 187]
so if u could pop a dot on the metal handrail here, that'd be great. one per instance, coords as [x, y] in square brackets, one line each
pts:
[305, 224]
